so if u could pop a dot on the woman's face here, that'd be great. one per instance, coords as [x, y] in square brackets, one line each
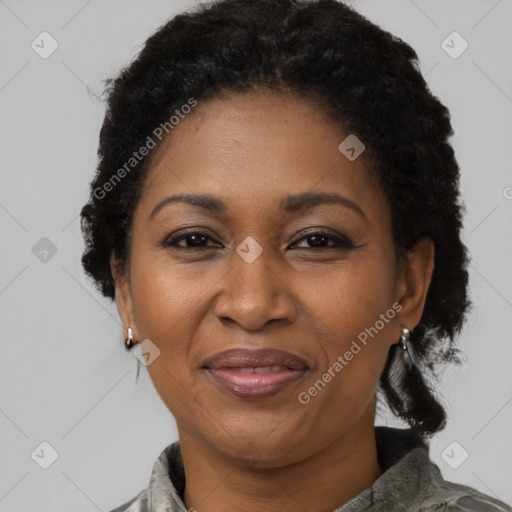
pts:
[264, 266]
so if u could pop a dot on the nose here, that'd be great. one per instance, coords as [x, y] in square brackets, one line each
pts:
[255, 293]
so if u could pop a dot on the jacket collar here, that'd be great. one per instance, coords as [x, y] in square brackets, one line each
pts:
[402, 455]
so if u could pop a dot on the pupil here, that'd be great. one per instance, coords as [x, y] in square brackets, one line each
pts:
[196, 239]
[317, 240]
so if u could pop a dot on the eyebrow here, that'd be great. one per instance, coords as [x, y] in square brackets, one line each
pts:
[289, 204]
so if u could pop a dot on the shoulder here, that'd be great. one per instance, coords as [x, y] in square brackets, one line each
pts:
[452, 497]
[166, 485]
[136, 504]
[412, 482]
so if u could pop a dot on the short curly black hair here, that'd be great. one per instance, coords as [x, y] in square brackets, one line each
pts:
[367, 80]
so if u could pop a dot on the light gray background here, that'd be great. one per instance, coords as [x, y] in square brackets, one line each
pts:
[65, 377]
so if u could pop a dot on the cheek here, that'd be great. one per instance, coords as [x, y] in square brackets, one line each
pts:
[352, 299]
[356, 307]
[166, 310]
[162, 297]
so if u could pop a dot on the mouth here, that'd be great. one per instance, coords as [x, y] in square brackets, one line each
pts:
[255, 374]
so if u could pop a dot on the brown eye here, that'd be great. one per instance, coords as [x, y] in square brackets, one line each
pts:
[320, 240]
[192, 239]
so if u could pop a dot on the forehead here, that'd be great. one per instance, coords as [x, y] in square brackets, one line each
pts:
[258, 147]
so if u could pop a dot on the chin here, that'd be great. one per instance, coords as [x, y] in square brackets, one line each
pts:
[258, 449]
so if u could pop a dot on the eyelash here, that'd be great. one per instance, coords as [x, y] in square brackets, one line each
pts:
[342, 242]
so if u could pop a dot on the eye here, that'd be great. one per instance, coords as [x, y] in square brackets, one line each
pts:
[320, 240]
[192, 239]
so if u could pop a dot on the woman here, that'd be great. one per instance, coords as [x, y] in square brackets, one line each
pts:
[276, 213]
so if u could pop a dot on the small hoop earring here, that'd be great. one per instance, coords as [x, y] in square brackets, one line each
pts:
[404, 338]
[128, 343]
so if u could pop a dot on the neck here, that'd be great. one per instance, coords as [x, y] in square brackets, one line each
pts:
[320, 483]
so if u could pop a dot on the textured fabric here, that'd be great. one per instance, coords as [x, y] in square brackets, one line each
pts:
[411, 482]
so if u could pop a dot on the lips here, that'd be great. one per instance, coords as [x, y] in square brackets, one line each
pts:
[255, 374]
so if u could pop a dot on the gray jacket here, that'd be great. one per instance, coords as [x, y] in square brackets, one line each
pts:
[411, 482]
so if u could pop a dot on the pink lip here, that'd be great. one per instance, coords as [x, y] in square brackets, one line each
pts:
[255, 374]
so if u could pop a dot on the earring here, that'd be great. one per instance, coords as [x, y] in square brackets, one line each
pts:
[404, 338]
[128, 343]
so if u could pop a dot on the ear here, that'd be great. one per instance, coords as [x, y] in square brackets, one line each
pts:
[413, 282]
[124, 299]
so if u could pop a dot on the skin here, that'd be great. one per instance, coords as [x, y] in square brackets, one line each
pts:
[251, 150]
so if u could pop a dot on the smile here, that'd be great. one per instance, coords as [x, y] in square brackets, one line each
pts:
[255, 374]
